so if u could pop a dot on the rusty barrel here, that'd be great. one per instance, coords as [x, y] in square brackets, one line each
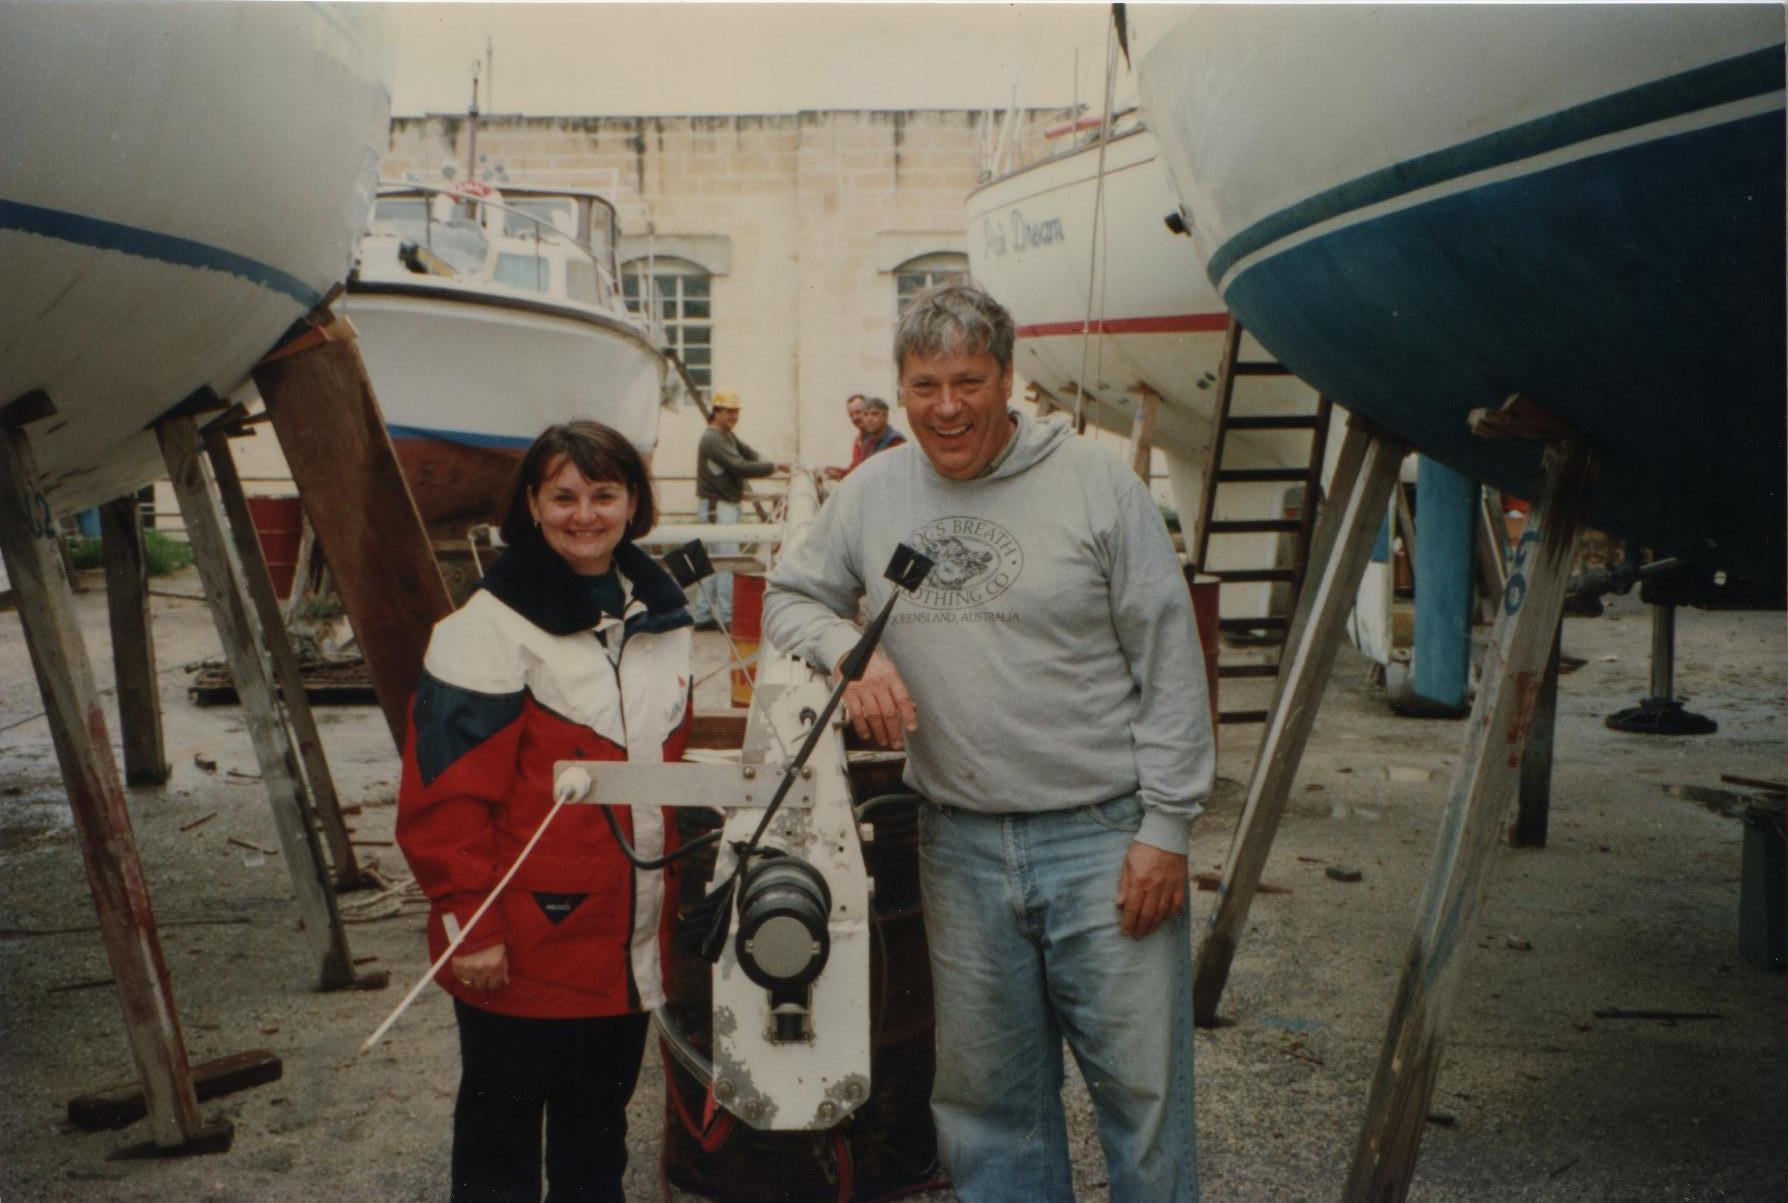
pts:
[747, 630]
[1203, 588]
[888, 1147]
[279, 526]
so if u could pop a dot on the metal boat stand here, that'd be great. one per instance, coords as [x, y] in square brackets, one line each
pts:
[95, 794]
[1661, 713]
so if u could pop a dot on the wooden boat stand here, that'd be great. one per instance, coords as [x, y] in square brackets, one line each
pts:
[231, 578]
[95, 794]
[133, 643]
[348, 873]
[1513, 700]
[328, 423]
[1365, 471]
[1483, 786]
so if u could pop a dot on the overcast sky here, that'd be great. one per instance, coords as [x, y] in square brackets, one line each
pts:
[617, 59]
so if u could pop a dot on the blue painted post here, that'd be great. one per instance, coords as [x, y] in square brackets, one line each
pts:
[1446, 508]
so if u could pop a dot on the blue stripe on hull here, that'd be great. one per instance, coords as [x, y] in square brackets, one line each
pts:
[1740, 78]
[148, 244]
[1638, 294]
[462, 437]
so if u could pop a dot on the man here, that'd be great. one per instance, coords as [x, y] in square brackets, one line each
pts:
[1047, 685]
[870, 416]
[722, 465]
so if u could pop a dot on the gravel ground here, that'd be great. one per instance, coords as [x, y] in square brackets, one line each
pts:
[1634, 905]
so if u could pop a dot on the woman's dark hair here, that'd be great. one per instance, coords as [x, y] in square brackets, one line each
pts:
[600, 453]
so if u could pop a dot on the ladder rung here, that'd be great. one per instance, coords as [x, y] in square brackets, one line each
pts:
[1246, 576]
[1273, 422]
[1261, 367]
[1264, 475]
[1242, 716]
[1247, 670]
[1254, 526]
[1267, 622]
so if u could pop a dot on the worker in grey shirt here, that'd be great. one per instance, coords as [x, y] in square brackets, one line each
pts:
[723, 462]
[1046, 683]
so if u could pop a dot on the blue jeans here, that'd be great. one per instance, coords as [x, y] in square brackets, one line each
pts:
[1025, 951]
[720, 585]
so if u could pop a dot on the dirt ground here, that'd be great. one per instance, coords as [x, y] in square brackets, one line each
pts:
[1634, 906]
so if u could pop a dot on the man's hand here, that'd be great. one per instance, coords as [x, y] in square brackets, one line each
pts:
[1151, 888]
[486, 969]
[878, 703]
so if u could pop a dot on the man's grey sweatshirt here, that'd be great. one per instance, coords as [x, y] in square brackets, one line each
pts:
[1051, 654]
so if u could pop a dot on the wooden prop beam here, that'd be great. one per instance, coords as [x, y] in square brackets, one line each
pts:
[122, 1105]
[1482, 789]
[1142, 431]
[335, 443]
[1365, 471]
[1533, 813]
[284, 661]
[95, 795]
[244, 644]
[133, 642]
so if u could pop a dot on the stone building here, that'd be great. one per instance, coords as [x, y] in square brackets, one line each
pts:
[778, 245]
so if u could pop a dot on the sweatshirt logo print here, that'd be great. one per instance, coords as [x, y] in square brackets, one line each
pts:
[974, 561]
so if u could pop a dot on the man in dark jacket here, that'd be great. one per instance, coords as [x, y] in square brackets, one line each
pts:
[870, 416]
[722, 465]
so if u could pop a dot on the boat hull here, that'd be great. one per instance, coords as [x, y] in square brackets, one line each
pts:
[1153, 320]
[178, 185]
[1607, 241]
[1149, 318]
[466, 380]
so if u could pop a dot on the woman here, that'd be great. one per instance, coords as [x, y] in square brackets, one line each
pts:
[575, 646]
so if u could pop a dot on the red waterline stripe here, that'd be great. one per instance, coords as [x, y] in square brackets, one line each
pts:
[1172, 323]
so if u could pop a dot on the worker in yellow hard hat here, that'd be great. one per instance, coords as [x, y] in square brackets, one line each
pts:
[723, 463]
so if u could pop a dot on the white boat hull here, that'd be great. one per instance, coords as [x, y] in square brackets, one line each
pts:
[1148, 319]
[467, 380]
[178, 185]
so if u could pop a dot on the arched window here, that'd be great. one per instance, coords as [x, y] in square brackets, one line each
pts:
[922, 271]
[682, 303]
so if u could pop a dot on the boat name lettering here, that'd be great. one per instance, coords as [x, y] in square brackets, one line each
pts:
[1021, 235]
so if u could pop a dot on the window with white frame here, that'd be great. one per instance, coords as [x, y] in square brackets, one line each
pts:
[922, 271]
[681, 303]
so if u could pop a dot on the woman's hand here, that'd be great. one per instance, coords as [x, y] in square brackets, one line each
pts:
[486, 969]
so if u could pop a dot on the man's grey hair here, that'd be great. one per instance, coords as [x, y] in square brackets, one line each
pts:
[953, 318]
[875, 403]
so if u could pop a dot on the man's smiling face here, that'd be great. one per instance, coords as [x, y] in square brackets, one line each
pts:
[956, 405]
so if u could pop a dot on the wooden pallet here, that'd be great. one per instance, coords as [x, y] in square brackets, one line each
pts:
[336, 683]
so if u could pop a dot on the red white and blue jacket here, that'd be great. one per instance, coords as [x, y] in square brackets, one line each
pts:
[528, 672]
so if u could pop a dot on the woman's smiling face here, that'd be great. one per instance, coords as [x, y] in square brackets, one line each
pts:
[582, 519]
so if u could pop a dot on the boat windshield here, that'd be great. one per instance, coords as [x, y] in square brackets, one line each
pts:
[452, 235]
[530, 272]
[555, 212]
[581, 282]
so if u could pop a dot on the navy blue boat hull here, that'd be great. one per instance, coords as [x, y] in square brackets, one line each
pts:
[1637, 294]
